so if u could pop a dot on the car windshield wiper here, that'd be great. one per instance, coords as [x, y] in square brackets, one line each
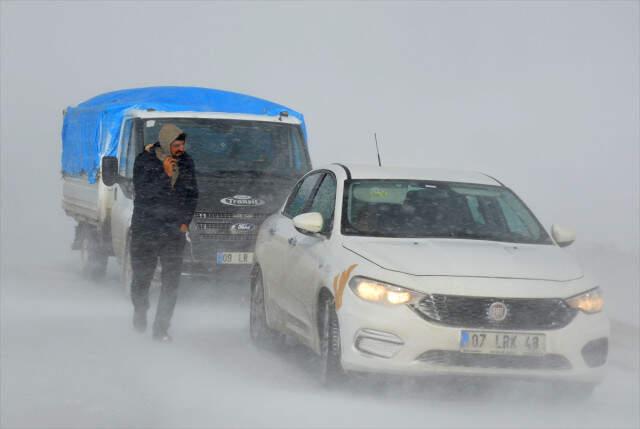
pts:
[512, 237]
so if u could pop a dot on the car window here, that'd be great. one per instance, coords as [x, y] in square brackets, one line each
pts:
[325, 201]
[474, 208]
[300, 195]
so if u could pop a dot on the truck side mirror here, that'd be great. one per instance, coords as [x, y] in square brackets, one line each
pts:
[109, 170]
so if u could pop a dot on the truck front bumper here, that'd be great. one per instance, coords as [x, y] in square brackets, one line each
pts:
[204, 257]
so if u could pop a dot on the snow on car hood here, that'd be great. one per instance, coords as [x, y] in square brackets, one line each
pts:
[467, 258]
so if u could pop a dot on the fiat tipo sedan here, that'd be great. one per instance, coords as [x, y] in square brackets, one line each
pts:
[425, 272]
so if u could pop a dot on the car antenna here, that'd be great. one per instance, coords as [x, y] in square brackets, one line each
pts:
[377, 149]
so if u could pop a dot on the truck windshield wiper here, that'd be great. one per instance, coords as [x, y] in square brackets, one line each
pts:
[217, 173]
[285, 175]
[249, 173]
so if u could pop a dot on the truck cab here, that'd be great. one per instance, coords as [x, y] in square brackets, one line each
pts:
[245, 166]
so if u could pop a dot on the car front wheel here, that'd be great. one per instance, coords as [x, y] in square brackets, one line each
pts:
[261, 334]
[331, 372]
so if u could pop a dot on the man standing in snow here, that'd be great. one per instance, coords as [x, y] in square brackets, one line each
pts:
[166, 194]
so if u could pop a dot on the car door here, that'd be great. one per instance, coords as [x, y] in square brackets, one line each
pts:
[307, 258]
[273, 253]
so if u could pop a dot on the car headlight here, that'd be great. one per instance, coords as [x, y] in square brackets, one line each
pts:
[589, 302]
[382, 293]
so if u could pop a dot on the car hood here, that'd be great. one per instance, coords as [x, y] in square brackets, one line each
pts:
[467, 258]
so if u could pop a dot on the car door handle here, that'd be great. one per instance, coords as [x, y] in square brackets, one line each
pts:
[292, 241]
[272, 231]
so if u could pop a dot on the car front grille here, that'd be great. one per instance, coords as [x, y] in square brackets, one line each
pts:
[478, 360]
[473, 312]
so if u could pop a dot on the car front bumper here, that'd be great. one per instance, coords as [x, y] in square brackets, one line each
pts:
[395, 340]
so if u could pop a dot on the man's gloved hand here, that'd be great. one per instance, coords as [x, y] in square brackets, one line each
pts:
[184, 228]
[169, 164]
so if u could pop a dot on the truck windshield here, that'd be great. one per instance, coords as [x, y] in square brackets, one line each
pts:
[222, 146]
[419, 209]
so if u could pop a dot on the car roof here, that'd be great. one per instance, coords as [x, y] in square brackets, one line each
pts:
[360, 171]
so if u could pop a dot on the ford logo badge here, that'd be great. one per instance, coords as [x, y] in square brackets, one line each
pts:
[240, 228]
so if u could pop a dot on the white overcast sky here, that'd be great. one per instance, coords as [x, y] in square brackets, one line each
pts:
[542, 95]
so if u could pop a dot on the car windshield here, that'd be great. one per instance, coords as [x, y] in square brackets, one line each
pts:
[420, 209]
[221, 146]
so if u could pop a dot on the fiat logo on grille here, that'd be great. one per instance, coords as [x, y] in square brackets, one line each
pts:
[497, 311]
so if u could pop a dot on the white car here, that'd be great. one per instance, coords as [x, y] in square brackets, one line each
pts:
[425, 272]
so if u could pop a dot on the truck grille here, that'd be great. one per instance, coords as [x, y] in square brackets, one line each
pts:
[227, 237]
[222, 215]
[222, 226]
[473, 312]
[478, 360]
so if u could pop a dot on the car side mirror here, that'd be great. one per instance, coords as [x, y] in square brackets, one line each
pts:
[562, 235]
[109, 170]
[309, 222]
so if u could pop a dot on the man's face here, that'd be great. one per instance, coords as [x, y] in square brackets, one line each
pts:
[177, 148]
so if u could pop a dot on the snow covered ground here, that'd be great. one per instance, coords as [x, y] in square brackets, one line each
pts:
[543, 95]
[69, 359]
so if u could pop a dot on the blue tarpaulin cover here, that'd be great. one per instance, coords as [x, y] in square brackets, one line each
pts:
[91, 130]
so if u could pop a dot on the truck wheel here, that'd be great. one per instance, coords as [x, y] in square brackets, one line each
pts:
[93, 258]
[261, 334]
[331, 372]
[126, 274]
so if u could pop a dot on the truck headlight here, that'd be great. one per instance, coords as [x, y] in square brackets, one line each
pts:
[589, 302]
[382, 293]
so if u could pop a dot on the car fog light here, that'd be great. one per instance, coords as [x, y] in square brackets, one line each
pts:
[595, 352]
[378, 343]
[588, 302]
[383, 293]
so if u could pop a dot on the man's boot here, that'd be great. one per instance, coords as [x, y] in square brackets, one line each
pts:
[162, 337]
[140, 320]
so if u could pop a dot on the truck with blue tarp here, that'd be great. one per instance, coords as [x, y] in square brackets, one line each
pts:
[248, 153]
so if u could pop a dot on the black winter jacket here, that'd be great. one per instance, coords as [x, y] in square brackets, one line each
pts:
[157, 207]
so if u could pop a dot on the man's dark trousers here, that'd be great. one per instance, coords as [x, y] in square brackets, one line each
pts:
[146, 248]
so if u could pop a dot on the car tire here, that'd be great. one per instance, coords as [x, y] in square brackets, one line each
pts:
[261, 334]
[331, 372]
[93, 257]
